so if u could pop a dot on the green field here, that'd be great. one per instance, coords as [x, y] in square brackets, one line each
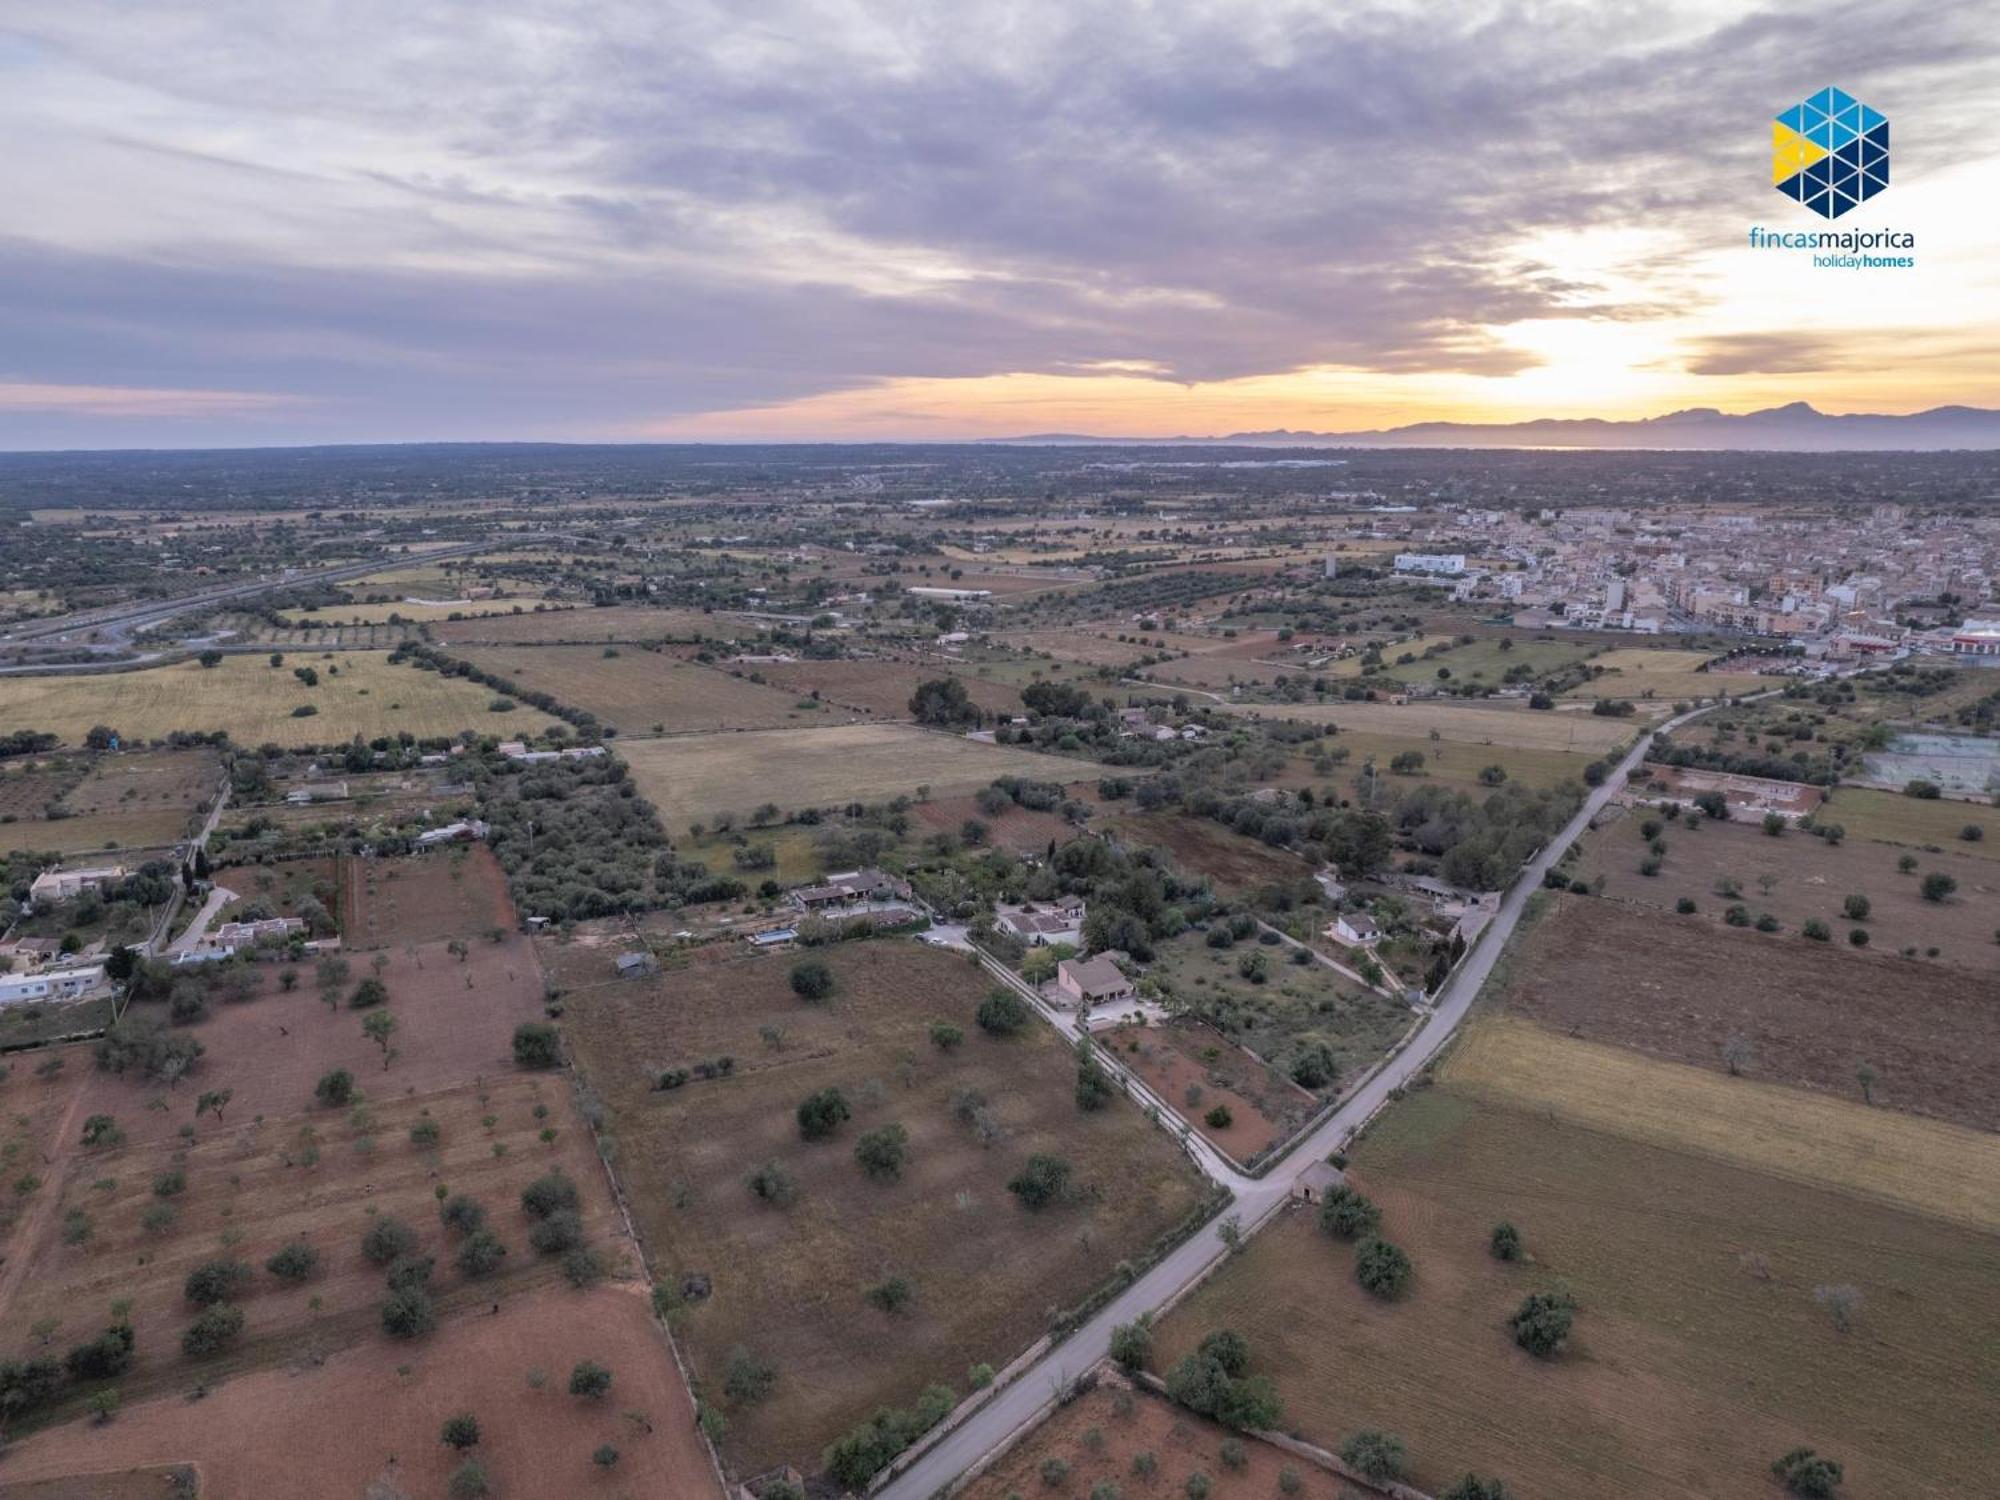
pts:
[1892, 818]
[1643, 672]
[1700, 1351]
[358, 693]
[1487, 661]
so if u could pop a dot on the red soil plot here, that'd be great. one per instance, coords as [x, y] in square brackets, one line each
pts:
[459, 891]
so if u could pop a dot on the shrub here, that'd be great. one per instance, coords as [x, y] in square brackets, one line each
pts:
[537, 1044]
[605, 1456]
[335, 1089]
[1685, 906]
[1807, 1475]
[560, 1231]
[460, 1431]
[891, 1294]
[1541, 1324]
[480, 1254]
[1472, 1487]
[216, 1281]
[1856, 908]
[746, 1378]
[1381, 1268]
[1817, 930]
[1214, 1381]
[1347, 1214]
[822, 1113]
[1937, 886]
[388, 1239]
[1132, 1343]
[368, 994]
[551, 1193]
[589, 1379]
[1054, 1471]
[1233, 1456]
[1219, 1118]
[1506, 1242]
[1094, 1088]
[469, 1482]
[812, 980]
[772, 1184]
[1002, 1013]
[1041, 1182]
[109, 1354]
[214, 1331]
[408, 1313]
[411, 1270]
[461, 1214]
[883, 1151]
[945, 1036]
[582, 1267]
[1375, 1456]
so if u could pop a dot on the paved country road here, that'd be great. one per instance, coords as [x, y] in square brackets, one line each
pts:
[1022, 1401]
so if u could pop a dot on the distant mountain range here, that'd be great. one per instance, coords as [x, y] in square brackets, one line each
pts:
[1794, 428]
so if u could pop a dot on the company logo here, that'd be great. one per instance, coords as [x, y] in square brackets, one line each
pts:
[1830, 152]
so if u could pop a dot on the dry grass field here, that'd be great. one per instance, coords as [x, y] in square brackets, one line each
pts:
[1700, 1352]
[1584, 734]
[1892, 818]
[1448, 764]
[585, 626]
[878, 688]
[424, 898]
[381, 612]
[1202, 846]
[253, 701]
[1641, 672]
[692, 779]
[1798, 879]
[129, 800]
[642, 692]
[1486, 661]
[788, 1282]
[1812, 1014]
[1102, 648]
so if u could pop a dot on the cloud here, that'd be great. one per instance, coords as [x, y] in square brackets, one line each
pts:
[130, 401]
[1767, 354]
[501, 220]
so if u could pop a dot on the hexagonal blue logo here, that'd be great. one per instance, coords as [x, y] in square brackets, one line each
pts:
[1830, 152]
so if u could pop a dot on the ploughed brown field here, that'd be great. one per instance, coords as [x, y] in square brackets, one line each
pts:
[1812, 1014]
[786, 1284]
[646, 692]
[455, 891]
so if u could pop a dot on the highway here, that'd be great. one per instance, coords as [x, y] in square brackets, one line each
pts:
[1023, 1400]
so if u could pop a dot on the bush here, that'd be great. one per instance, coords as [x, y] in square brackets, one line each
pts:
[461, 1214]
[460, 1431]
[1347, 1214]
[1505, 1242]
[1382, 1269]
[537, 1044]
[411, 1270]
[469, 1482]
[1541, 1324]
[1472, 1487]
[1816, 930]
[1375, 1456]
[213, 1332]
[1041, 1182]
[560, 1231]
[368, 994]
[772, 1184]
[891, 1294]
[1054, 1471]
[822, 1113]
[1856, 908]
[103, 1357]
[582, 1267]
[1219, 1118]
[746, 1378]
[812, 980]
[1938, 886]
[589, 1379]
[1094, 1088]
[1215, 1382]
[388, 1239]
[883, 1151]
[945, 1036]
[480, 1254]
[408, 1313]
[216, 1281]
[1807, 1475]
[548, 1194]
[335, 1089]
[863, 1452]
[1132, 1344]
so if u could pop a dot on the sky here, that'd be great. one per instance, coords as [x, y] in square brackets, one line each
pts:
[234, 223]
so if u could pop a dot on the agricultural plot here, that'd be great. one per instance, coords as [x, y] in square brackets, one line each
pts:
[1640, 672]
[391, 611]
[1799, 879]
[1806, 1013]
[1915, 822]
[269, 1432]
[1485, 662]
[618, 623]
[1462, 767]
[1103, 648]
[359, 692]
[1568, 731]
[137, 800]
[1962, 765]
[693, 778]
[854, 1292]
[1235, 1100]
[1700, 1351]
[878, 688]
[1235, 865]
[425, 898]
[642, 692]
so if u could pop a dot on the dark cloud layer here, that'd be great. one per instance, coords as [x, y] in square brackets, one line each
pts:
[609, 213]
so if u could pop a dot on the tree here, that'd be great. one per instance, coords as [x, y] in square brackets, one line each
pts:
[214, 1331]
[479, 1254]
[378, 1027]
[1774, 824]
[210, 658]
[102, 1130]
[102, 1358]
[589, 1379]
[1002, 1013]
[943, 702]
[551, 1193]
[335, 1089]
[1382, 1268]
[370, 992]
[891, 1294]
[1807, 1475]
[1041, 1182]
[772, 1184]
[408, 1313]
[388, 1239]
[1094, 1088]
[605, 1456]
[1132, 1343]
[460, 1431]
[537, 1044]
[294, 1263]
[1472, 1487]
[1505, 1242]
[1856, 908]
[821, 1114]
[1865, 1076]
[100, 737]
[469, 1481]
[1346, 1214]
[1937, 886]
[1541, 1324]
[1215, 1381]
[812, 980]
[1375, 1456]
[216, 1281]
[946, 1037]
[747, 1379]
[883, 1151]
